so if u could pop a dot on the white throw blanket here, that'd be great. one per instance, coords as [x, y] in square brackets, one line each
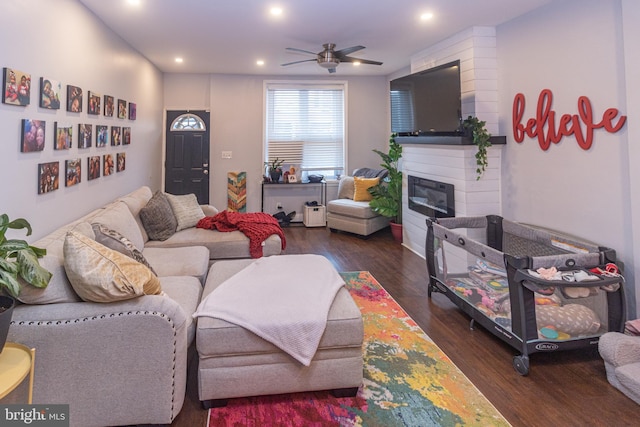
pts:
[283, 299]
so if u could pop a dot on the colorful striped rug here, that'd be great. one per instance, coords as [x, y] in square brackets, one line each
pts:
[408, 380]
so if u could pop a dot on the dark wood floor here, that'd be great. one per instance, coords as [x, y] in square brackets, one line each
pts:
[562, 389]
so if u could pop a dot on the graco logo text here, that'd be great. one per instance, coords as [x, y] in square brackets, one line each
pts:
[34, 415]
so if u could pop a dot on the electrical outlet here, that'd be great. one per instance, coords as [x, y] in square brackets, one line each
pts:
[226, 154]
[278, 205]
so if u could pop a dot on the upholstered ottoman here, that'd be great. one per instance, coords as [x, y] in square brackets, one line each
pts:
[234, 362]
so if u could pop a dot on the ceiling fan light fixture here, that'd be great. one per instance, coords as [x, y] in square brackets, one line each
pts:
[328, 63]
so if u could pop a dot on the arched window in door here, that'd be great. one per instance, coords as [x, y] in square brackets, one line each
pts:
[188, 122]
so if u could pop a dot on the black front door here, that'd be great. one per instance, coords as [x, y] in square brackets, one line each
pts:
[187, 154]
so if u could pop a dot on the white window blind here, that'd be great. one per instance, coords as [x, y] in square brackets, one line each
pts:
[305, 125]
[402, 108]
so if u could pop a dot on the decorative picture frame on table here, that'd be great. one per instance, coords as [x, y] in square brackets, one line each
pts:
[93, 104]
[122, 109]
[85, 134]
[73, 172]
[63, 135]
[108, 164]
[102, 135]
[126, 135]
[50, 91]
[121, 162]
[93, 167]
[74, 99]
[16, 87]
[109, 106]
[116, 135]
[32, 135]
[133, 111]
[48, 177]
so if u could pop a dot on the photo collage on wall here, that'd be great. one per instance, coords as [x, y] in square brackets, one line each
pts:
[73, 124]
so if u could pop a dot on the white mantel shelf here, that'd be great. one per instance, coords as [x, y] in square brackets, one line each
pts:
[446, 140]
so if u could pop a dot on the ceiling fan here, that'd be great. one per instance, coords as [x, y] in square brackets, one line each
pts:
[329, 58]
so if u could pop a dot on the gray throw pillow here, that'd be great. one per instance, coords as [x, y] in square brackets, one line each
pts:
[116, 241]
[186, 210]
[346, 188]
[157, 217]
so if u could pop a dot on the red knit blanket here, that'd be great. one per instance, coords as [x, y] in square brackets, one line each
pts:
[257, 226]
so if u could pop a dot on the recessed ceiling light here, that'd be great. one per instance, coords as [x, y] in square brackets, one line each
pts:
[356, 63]
[179, 60]
[276, 11]
[134, 2]
[426, 16]
[260, 62]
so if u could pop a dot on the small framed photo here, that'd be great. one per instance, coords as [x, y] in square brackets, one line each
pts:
[33, 133]
[109, 106]
[48, 177]
[116, 135]
[74, 99]
[85, 132]
[50, 93]
[132, 111]
[126, 135]
[292, 179]
[122, 109]
[121, 160]
[16, 87]
[94, 106]
[108, 164]
[63, 135]
[73, 172]
[102, 135]
[93, 167]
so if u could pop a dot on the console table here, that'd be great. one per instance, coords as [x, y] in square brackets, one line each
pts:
[289, 197]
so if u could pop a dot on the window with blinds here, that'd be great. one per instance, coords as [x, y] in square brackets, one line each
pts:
[402, 108]
[305, 125]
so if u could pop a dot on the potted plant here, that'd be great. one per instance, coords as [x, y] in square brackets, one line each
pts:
[481, 138]
[17, 260]
[274, 169]
[387, 195]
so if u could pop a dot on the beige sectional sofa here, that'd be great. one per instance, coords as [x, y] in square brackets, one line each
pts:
[124, 362]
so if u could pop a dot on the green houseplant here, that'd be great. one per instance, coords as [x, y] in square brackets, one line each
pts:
[17, 260]
[274, 169]
[481, 138]
[387, 195]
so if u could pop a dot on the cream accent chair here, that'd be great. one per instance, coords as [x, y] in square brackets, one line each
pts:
[345, 214]
[621, 354]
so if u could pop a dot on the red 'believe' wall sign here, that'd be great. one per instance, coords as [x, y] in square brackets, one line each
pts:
[543, 126]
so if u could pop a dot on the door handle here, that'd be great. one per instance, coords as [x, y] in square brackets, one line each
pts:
[206, 172]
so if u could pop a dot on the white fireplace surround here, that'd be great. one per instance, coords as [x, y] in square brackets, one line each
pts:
[456, 164]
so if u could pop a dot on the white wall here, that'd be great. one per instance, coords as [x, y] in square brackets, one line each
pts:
[574, 48]
[75, 49]
[236, 104]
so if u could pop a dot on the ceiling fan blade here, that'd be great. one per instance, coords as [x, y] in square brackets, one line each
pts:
[347, 50]
[362, 61]
[297, 62]
[293, 49]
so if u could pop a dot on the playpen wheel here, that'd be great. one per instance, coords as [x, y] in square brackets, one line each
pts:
[521, 364]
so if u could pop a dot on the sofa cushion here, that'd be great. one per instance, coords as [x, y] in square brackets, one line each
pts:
[362, 185]
[157, 217]
[186, 209]
[118, 217]
[181, 261]
[351, 208]
[346, 188]
[100, 274]
[58, 290]
[136, 200]
[116, 241]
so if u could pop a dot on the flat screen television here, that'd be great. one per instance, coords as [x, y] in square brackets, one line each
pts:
[427, 102]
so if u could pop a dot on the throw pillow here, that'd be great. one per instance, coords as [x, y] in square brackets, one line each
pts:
[186, 209]
[157, 217]
[116, 241]
[361, 186]
[100, 274]
[346, 188]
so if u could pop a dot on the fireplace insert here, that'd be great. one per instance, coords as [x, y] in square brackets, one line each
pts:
[434, 199]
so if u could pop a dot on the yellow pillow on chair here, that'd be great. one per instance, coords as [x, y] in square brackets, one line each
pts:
[361, 186]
